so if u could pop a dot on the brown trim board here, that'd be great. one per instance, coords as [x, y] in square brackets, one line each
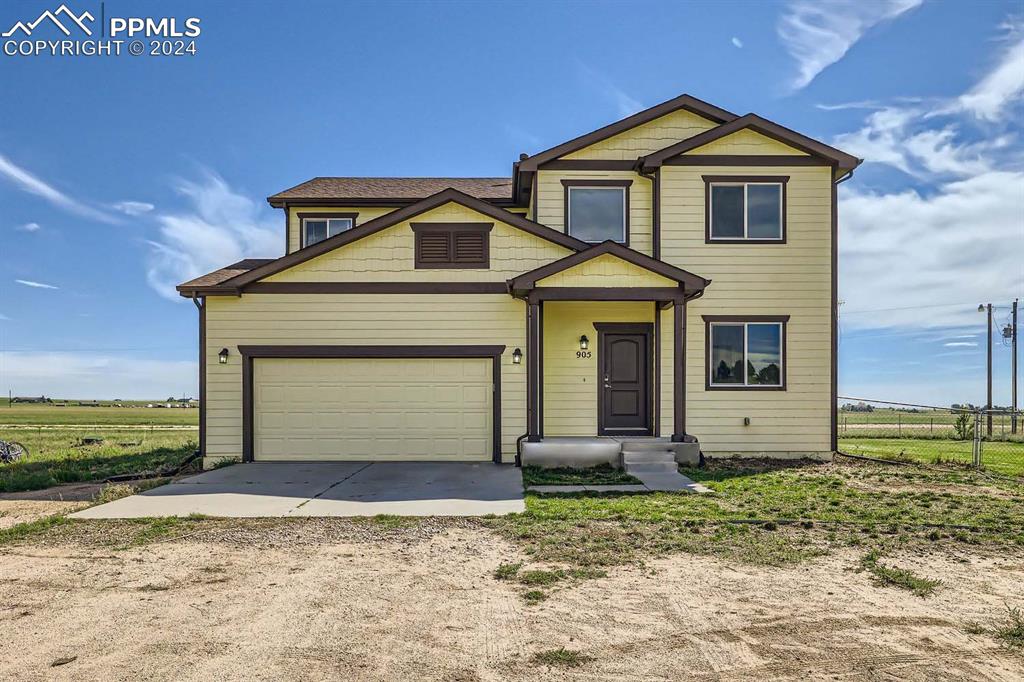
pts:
[834, 323]
[739, 319]
[377, 288]
[605, 294]
[201, 305]
[251, 353]
[766, 179]
[599, 183]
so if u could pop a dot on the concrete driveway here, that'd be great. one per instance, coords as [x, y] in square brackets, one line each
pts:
[330, 489]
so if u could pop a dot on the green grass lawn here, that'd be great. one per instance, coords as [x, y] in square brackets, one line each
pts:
[774, 515]
[600, 475]
[32, 414]
[57, 456]
[1004, 457]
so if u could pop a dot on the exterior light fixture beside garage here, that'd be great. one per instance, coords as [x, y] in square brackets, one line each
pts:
[517, 356]
[584, 342]
[223, 356]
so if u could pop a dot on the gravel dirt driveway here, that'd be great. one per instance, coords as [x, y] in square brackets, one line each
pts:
[330, 598]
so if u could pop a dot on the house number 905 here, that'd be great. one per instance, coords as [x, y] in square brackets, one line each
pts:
[583, 354]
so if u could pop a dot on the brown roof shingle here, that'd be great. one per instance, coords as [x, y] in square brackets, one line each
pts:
[402, 189]
[224, 274]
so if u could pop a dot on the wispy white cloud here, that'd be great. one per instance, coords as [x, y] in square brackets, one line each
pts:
[35, 285]
[736, 42]
[32, 184]
[133, 208]
[95, 376]
[818, 34]
[624, 102]
[990, 98]
[29, 227]
[4, 318]
[220, 226]
[961, 344]
[964, 241]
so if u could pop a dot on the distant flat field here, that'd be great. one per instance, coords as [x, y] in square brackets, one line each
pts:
[51, 415]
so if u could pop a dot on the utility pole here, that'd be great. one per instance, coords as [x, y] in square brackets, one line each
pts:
[1011, 333]
[988, 399]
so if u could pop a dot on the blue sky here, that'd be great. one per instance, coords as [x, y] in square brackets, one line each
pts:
[120, 176]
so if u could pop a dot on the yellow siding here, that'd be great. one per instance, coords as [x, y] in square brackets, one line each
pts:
[389, 254]
[644, 139]
[747, 142]
[570, 386]
[551, 202]
[606, 271]
[785, 279]
[363, 319]
[366, 214]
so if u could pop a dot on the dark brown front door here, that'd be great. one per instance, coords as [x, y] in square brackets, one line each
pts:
[624, 369]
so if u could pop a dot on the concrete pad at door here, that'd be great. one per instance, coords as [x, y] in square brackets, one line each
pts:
[267, 489]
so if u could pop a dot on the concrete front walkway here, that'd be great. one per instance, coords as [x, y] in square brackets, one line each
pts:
[650, 482]
[330, 489]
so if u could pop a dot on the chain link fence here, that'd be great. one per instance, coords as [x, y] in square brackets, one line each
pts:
[964, 434]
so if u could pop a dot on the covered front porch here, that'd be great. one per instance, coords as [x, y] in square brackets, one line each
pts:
[605, 356]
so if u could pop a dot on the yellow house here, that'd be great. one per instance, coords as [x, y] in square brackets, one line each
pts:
[671, 276]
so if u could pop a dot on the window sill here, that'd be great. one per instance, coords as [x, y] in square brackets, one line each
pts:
[710, 387]
[744, 241]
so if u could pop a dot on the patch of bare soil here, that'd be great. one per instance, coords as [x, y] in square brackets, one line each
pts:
[30, 505]
[422, 604]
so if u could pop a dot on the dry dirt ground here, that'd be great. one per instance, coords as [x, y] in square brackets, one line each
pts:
[27, 506]
[335, 599]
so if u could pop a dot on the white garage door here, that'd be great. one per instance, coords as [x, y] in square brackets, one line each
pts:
[375, 409]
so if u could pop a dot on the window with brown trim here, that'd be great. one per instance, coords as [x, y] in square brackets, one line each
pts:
[452, 245]
[316, 227]
[745, 209]
[745, 352]
[597, 210]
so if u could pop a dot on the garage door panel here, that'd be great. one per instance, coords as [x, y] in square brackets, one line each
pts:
[372, 408]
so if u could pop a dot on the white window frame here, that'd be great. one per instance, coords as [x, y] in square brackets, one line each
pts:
[746, 205]
[746, 384]
[328, 220]
[625, 218]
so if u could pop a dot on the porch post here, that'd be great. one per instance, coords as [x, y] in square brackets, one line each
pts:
[532, 371]
[679, 370]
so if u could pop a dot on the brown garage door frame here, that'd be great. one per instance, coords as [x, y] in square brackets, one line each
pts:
[250, 353]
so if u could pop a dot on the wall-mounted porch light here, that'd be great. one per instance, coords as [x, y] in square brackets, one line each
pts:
[584, 342]
[517, 356]
[222, 357]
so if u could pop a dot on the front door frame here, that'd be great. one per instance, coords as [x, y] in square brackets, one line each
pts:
[647, 330]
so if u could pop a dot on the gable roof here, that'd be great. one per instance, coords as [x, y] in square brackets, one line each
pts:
[843, 161]
[217, 277]
[528, 280]
[368, 228]
[389, 191]
[687, 102]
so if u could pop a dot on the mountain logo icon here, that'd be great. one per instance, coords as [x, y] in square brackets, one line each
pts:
[63, 10]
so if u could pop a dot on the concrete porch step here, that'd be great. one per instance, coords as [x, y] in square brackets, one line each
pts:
[667, 456]
[651, 468]
[647, 445]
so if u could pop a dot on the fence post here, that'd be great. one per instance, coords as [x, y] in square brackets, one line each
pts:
[977, 439]
[899, 424]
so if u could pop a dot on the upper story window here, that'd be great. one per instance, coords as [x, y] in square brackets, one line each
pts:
[317, 227]
[597, 210]
[745, 209]
[746, 352]
[452, 245]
